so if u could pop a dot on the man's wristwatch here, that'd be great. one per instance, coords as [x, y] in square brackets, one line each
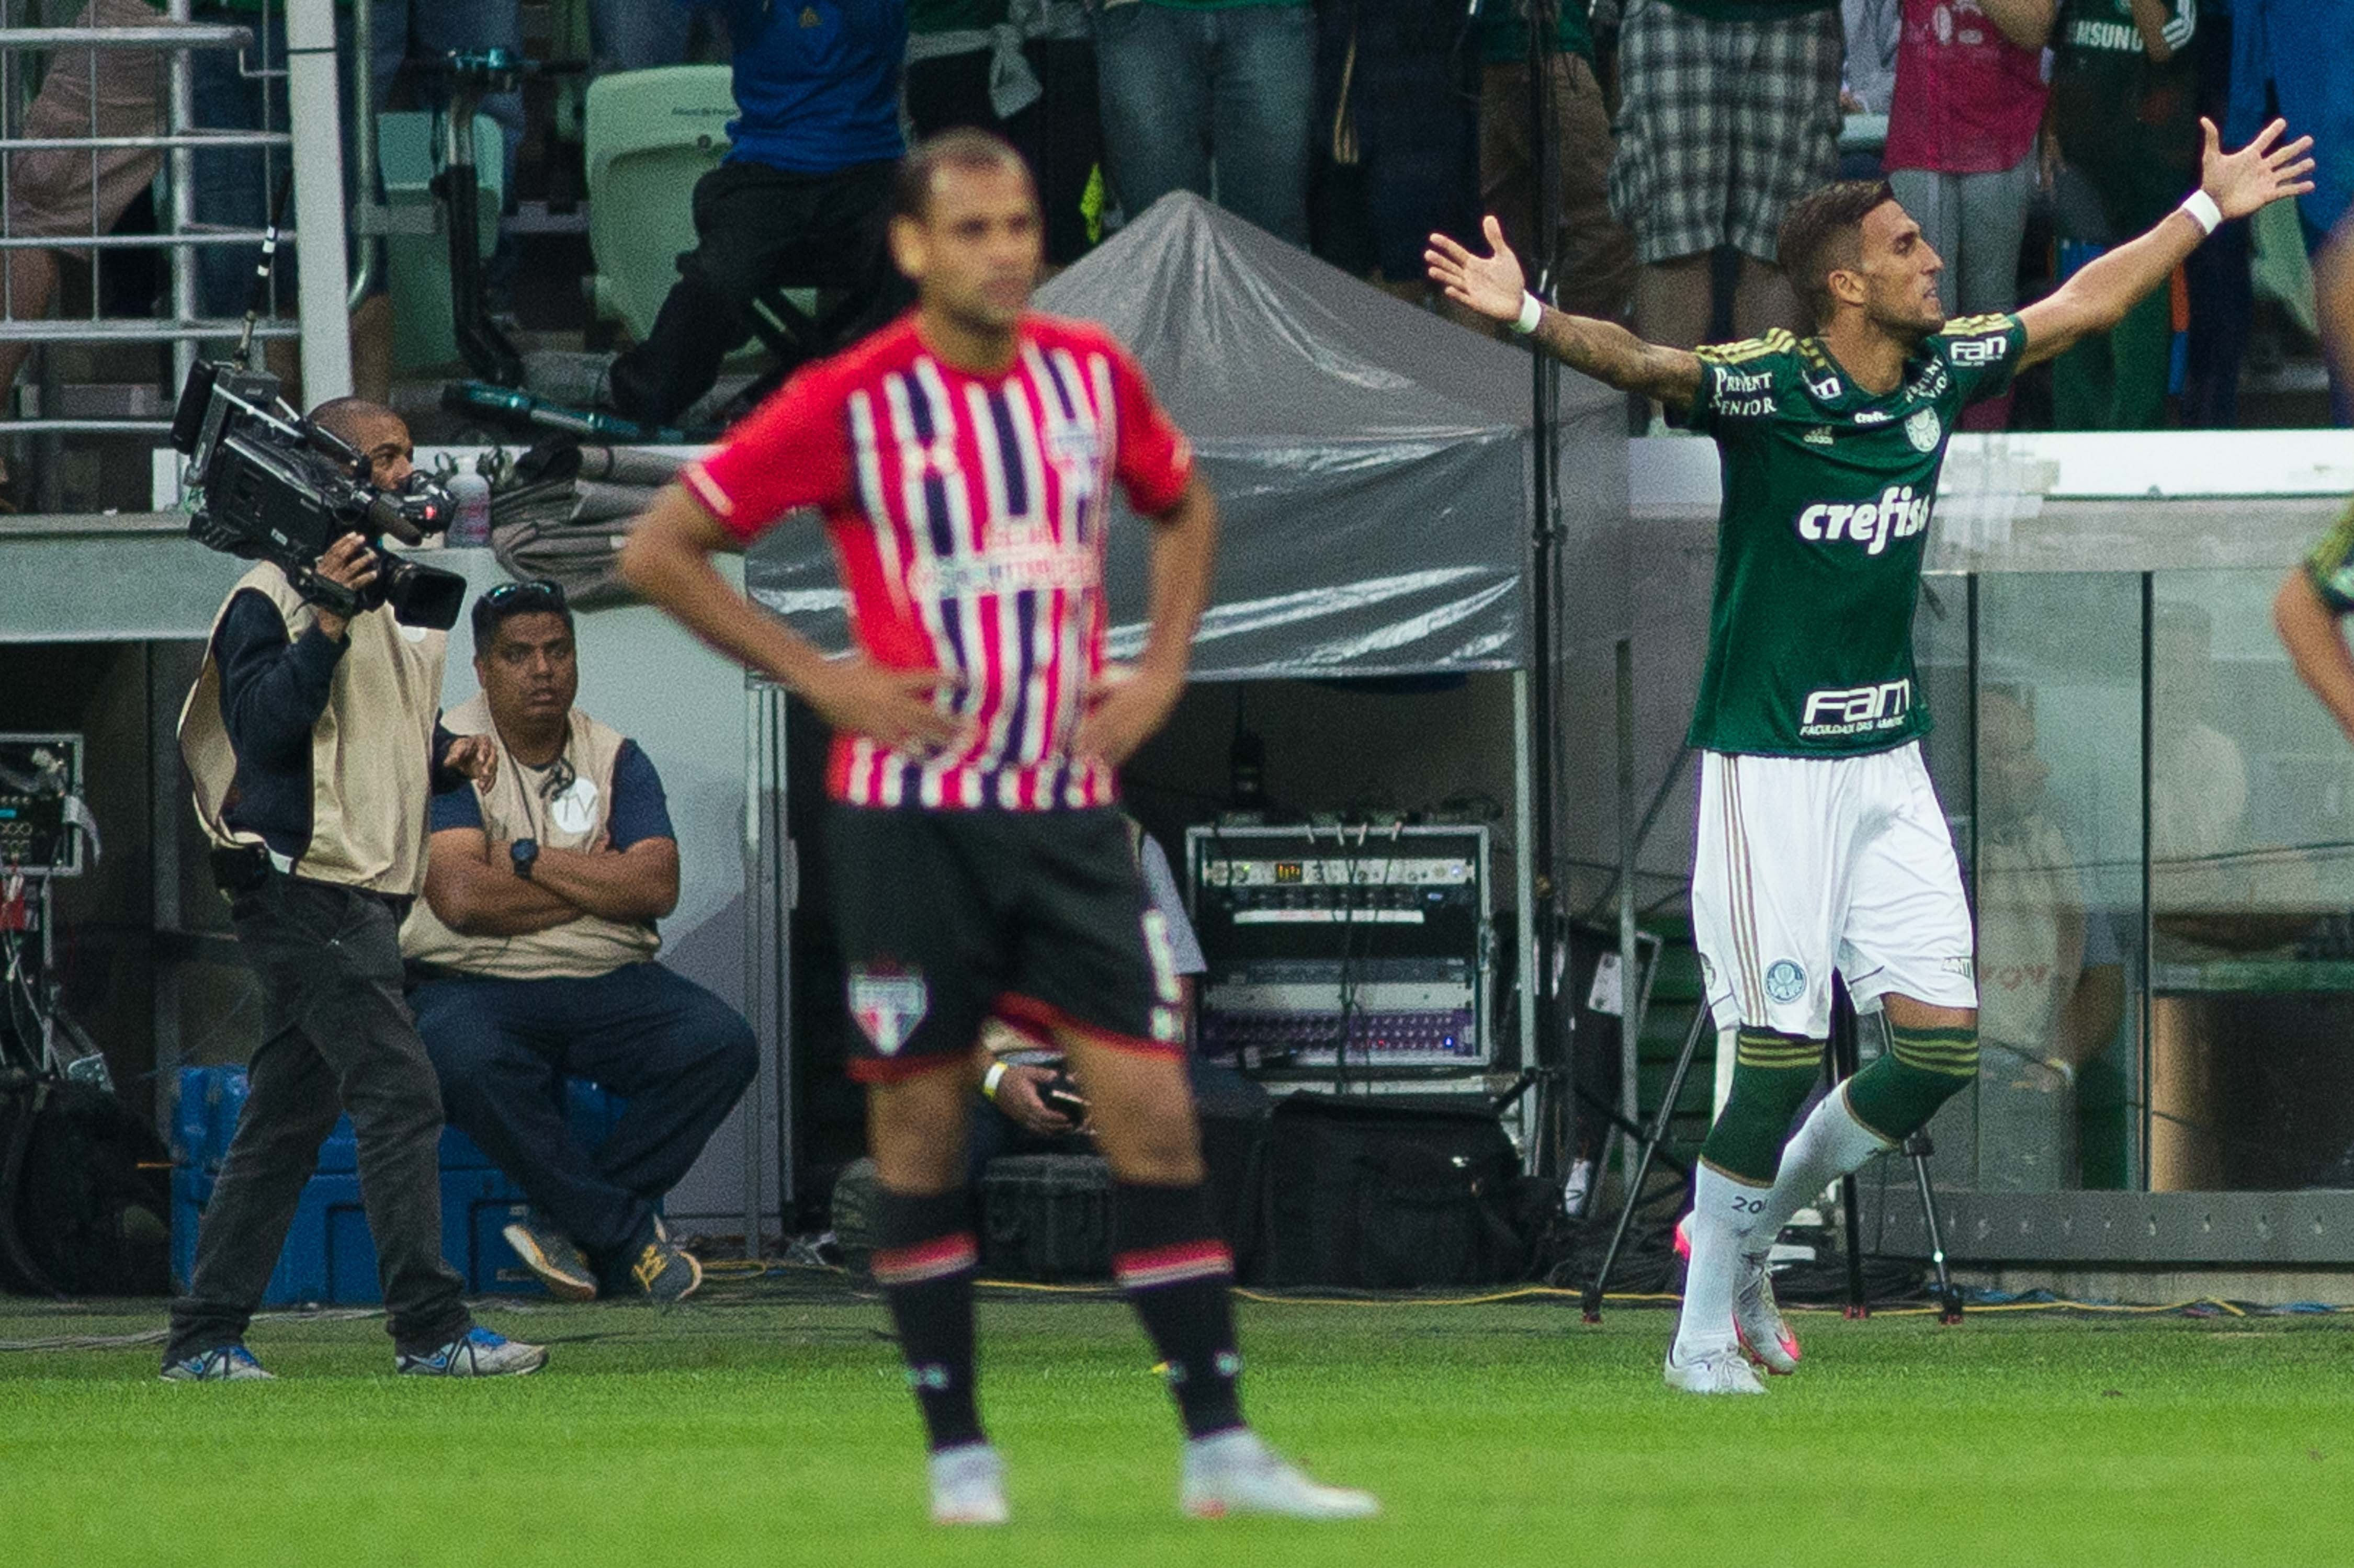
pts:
[523, 852]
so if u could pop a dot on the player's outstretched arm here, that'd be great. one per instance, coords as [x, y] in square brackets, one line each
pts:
[1493, 286]
[668, 560]
[2097, 298]
[2315, 646]
[1185, 549]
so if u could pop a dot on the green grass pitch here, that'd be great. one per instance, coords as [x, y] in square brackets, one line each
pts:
[770, 1426]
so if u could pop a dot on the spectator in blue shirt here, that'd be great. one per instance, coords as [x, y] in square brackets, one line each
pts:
[798, 203]
[531, 955]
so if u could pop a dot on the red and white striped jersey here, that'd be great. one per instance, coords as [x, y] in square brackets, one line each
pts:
[968, 515]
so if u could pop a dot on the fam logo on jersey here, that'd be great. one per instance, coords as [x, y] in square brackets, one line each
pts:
[1785, 981]
[887, 1004]
[1856, 710]
[1897, 514]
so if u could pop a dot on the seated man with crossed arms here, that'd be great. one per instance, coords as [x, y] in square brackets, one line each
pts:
[531, 957]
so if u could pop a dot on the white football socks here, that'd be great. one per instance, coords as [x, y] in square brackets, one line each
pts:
[1724, 1214]
[1829, 1144]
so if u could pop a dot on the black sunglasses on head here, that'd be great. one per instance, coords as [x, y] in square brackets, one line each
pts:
[530, 587]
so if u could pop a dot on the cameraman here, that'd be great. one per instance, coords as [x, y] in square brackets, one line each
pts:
[312, 740]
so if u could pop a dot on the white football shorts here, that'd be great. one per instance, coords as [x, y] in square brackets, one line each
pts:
[1805, 864]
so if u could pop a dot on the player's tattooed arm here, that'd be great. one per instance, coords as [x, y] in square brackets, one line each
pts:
[1493, 285]
[2097, 298]
[1616, 357]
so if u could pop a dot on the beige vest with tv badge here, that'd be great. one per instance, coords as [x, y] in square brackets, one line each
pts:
[370, 769]
[513, 808]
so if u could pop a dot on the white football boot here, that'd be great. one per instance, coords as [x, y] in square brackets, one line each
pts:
[1236, 1472]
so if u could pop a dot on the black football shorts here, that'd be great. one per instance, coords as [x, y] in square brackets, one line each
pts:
[949, 918]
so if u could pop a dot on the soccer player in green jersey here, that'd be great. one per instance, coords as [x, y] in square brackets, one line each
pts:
[1821, 845]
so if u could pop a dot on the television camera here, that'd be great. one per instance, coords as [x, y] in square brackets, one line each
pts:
[271, 485]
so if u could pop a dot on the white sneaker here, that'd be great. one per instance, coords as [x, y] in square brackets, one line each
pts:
[1237, 1472]
[968, 1485]
[1757, 1322]
[1712, 1372]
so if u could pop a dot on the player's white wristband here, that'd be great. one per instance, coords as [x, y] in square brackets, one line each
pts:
[1532, 312]
[2201, 208]
[990, 1079]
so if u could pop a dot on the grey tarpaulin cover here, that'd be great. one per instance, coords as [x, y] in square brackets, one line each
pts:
[1370, 458]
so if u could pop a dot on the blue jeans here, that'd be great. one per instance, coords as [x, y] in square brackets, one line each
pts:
[234, 187]
[677, 1054]
[1182, 89]
[637, 34]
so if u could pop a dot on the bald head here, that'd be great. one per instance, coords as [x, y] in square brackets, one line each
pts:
[373, 431]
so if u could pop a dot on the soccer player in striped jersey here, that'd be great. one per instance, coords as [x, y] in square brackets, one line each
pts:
[963, 459]
[1821, 845]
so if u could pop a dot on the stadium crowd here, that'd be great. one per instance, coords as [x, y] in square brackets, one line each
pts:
[1668, 136]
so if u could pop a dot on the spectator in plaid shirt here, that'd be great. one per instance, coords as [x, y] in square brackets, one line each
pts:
[1730, 114]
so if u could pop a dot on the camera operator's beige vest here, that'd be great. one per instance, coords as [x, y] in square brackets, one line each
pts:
[512, 809]
[370, 768]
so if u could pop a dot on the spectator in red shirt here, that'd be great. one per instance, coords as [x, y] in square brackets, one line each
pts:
[1961, 147]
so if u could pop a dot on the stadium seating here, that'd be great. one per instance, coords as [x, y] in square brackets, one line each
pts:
[416, 266]
[649, 135]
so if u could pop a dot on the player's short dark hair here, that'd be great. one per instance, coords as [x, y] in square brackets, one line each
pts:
[494, 608]
[1823, 233]
[962, 148]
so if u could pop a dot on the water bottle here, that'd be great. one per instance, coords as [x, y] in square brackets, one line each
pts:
[1576, 1187]
[471, 523]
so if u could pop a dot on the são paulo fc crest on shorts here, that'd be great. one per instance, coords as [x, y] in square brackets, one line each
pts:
[1785, 980]
[887, 1004]
[1923, 430]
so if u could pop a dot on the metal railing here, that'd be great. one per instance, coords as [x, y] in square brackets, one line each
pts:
[174, 133]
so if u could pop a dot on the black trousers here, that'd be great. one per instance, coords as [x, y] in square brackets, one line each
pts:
[678, 1055]
[759, 229]
[337, 1037]
[1061, 134]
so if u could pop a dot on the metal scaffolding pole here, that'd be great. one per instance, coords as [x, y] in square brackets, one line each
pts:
[181, 113]
[321, 303]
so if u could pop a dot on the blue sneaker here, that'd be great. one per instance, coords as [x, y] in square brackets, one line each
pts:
[222, 1363]
[478, 1353]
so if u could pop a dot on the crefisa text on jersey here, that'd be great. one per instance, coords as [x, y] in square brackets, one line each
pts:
[1897, 514]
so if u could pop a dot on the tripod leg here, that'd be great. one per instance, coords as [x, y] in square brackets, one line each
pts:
[1859, 1305]
[1843, 1057]
[1646, 1148]
[1949, 1300]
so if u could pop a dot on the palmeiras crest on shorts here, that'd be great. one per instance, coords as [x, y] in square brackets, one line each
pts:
[887, 1004]
[1923, 430]
[1785, 981]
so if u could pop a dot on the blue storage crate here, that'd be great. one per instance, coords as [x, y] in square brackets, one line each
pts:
[329, 1255]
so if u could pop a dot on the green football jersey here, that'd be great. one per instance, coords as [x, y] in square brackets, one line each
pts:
[1828, 490]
